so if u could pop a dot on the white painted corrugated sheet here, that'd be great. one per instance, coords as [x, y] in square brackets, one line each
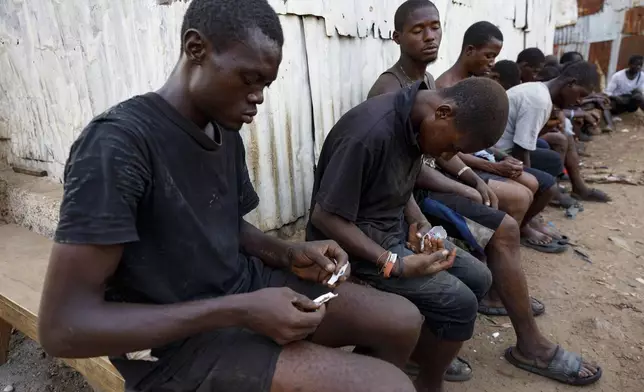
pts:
[279, 143]
[64, 62]
[565, 12]
[605, 25]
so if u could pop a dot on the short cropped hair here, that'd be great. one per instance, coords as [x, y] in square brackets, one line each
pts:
[531, 56]
[406, 8]
[584, 72]
[570, 56]
[636, 58]
[480, 33]
[481, 108]
[226, 21]
[509, 73]
[548, 72]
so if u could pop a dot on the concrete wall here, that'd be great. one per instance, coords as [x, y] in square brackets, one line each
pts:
[63, 62]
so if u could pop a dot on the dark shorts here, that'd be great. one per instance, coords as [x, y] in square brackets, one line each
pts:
[545, 180]
[626, 103]
[230, 359]
[448, 300]
[477, 212]
[546, 160]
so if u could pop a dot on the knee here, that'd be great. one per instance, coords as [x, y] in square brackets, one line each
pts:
[478, 283]
[508, 233]
[466, 298]
[530, 182]
[520, 200]
[404, 321]
[558, 142]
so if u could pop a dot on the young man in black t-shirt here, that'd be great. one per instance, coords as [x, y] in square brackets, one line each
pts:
[363, 199]
[153, 256]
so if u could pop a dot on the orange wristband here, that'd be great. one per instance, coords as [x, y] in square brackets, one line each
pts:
[389, 266]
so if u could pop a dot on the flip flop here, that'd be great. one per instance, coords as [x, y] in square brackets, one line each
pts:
[458, 371]
[538, 308]
[555, 234]
[594, 195]
[552, 247]
[563, 367]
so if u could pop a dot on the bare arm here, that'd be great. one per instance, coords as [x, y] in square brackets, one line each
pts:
[271, 250]
[76, 322]
[477, 163]
[347, 234]
[433, 180]
[521, 154]
[454, 166]
[413, 214]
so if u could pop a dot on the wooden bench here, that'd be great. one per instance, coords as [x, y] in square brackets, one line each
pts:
[23, 263]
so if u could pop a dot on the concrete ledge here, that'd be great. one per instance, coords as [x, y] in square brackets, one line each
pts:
[29, 201]
[34, 203]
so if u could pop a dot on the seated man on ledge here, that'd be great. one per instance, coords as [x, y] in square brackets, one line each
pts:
[362, 198]
[531, 105]
[152, 251]
[507, 177]
[626, 87]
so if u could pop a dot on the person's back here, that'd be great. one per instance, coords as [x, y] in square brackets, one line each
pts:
[524, 125]
[372, 132]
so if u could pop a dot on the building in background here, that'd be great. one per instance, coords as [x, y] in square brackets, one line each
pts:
[606, 32]
[63, 62]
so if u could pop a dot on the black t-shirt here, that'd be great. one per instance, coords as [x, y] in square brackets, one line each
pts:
[143, 175]
[368, 167]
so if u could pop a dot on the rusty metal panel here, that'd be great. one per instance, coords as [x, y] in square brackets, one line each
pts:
[589, 7]
[629, 46]
[600, 55]
[602, 26]
[634, 22]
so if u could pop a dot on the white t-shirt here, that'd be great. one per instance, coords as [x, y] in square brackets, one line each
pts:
[620, 84]
[530, 109]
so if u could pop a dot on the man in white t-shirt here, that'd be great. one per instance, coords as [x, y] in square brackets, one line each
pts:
[626, 87]
[531, 105]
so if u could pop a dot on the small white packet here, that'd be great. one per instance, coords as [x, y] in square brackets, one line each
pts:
[335, 277]
[144, 355]
[324, 298]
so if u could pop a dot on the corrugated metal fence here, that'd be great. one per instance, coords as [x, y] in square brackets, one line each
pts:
[62, 62]
[607, 32]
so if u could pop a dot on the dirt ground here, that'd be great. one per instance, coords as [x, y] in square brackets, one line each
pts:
[593, 308]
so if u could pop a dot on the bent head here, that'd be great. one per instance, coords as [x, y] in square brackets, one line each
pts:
[577, 81]
[482, 43]
[571, 57]
[548, 72]
[635, 64]
[506, 73]
[467, 117]
[231, 51]
[530, 61]
[418, 30]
